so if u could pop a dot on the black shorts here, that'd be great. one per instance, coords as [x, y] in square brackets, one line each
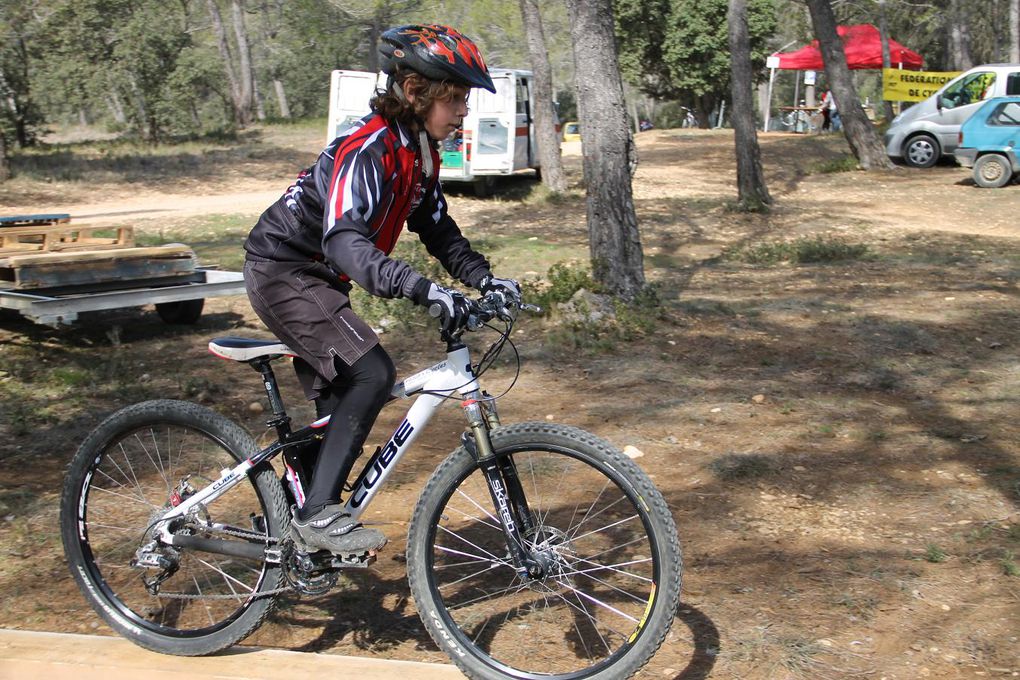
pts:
[306, 306]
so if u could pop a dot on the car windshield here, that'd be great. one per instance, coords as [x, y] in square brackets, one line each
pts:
[973, 88]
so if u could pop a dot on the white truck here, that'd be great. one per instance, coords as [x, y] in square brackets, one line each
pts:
[497, 137]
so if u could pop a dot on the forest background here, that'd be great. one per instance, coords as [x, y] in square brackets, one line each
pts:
[161, 71]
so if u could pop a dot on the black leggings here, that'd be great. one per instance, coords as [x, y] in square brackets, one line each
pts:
[353, 402]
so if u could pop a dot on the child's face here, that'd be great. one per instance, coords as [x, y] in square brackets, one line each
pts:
[445, 116]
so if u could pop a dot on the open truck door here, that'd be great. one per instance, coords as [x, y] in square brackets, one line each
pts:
[349, 94]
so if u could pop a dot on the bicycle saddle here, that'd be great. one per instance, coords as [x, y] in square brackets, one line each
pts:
[246, 349]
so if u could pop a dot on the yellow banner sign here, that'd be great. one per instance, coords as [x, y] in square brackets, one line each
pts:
[913, 86]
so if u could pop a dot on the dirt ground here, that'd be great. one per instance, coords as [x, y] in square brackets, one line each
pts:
[838, 441]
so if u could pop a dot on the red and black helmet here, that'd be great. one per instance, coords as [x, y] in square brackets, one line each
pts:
[437, 52]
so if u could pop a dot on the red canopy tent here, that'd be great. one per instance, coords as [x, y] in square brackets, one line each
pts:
[863, 46]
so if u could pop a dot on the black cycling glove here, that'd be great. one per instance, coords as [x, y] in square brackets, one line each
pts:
[508, 287]
[451, 304]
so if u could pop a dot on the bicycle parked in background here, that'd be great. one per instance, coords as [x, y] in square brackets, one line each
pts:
[534, 549]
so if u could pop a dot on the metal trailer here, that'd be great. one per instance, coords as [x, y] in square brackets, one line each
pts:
[178, 302]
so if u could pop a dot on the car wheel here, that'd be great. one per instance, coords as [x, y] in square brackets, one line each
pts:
[992, 171]
[921, 151]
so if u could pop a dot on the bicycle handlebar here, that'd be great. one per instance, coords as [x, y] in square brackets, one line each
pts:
[493, 305]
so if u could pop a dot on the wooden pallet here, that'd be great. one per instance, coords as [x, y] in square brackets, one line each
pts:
[34, 220]
[61, 237]
[44, 270]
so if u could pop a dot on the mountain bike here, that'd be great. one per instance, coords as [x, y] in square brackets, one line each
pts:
[533, 549]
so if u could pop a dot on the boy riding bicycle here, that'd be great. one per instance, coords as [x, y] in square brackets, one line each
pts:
[337, 224]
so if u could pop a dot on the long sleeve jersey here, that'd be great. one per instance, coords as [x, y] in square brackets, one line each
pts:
[349, 208]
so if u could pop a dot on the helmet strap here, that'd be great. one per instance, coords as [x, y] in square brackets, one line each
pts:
[426, 152]
[397, 89]
[423, 136]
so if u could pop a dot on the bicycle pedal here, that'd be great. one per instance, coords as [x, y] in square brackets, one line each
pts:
[354, 560]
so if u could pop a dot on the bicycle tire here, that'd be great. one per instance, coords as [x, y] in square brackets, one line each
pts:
[122, 476]
[455, 545]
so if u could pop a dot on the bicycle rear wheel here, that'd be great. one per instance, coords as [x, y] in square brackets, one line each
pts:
[605, 534]
[128, 472]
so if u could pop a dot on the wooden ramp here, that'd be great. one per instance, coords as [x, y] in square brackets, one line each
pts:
[52, 656]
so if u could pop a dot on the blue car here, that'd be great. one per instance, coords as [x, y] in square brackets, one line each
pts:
[988, 142]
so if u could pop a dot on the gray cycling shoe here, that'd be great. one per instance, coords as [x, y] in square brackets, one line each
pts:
[333, 529]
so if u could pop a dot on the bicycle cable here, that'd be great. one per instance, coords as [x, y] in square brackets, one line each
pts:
[486, 362]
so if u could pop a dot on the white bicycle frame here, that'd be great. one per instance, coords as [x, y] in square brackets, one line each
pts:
[439, 382]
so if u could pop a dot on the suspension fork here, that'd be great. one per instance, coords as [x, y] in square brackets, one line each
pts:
[504, 486]
[508, 468]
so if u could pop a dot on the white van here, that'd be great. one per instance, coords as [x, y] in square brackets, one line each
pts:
[497, 137]
[928, 130]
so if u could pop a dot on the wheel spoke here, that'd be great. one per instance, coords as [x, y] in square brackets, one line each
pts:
[476, 547]
[206, 598]
[605, 528]
[488, 514]
[157, 466]
[589, 583]
[610, 567]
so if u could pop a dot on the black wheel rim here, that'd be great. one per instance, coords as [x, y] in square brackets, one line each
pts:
[539, 623]
[208, 592]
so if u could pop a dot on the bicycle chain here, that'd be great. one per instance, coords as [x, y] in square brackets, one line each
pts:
[240, 534]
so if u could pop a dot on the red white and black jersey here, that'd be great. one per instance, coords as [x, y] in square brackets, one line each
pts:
[351, 205]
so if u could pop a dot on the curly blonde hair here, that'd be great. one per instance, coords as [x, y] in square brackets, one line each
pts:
[425, 92]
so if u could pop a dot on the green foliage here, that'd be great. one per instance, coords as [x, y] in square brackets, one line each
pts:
[679, 49]
[934, 554]
[584, 329]
[802, 251]
[20, 116]
[845, 163]
[1009, 566]
[563, 282]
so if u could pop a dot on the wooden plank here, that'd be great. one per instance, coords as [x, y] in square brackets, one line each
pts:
[62, 237]
[169, 250]
[50, 270]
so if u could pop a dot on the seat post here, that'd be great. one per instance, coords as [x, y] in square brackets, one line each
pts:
[280, 419]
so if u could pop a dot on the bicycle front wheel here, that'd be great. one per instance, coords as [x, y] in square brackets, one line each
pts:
[606, 538]
[130, 470]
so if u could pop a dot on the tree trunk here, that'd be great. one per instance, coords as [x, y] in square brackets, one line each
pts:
[145, 120]
[5, 167]
[860, 133]
[375, 30]
[753, 194]
[546, 136]
[240, 116]
[116, 107]
[959, 35]
[1014, 31]
[281, 98]
[246, 72]
[260, 102]
[608, 148]
[883, 29]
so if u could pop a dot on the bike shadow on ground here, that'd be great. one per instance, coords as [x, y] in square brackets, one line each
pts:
[356, 615]
[705, 637]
